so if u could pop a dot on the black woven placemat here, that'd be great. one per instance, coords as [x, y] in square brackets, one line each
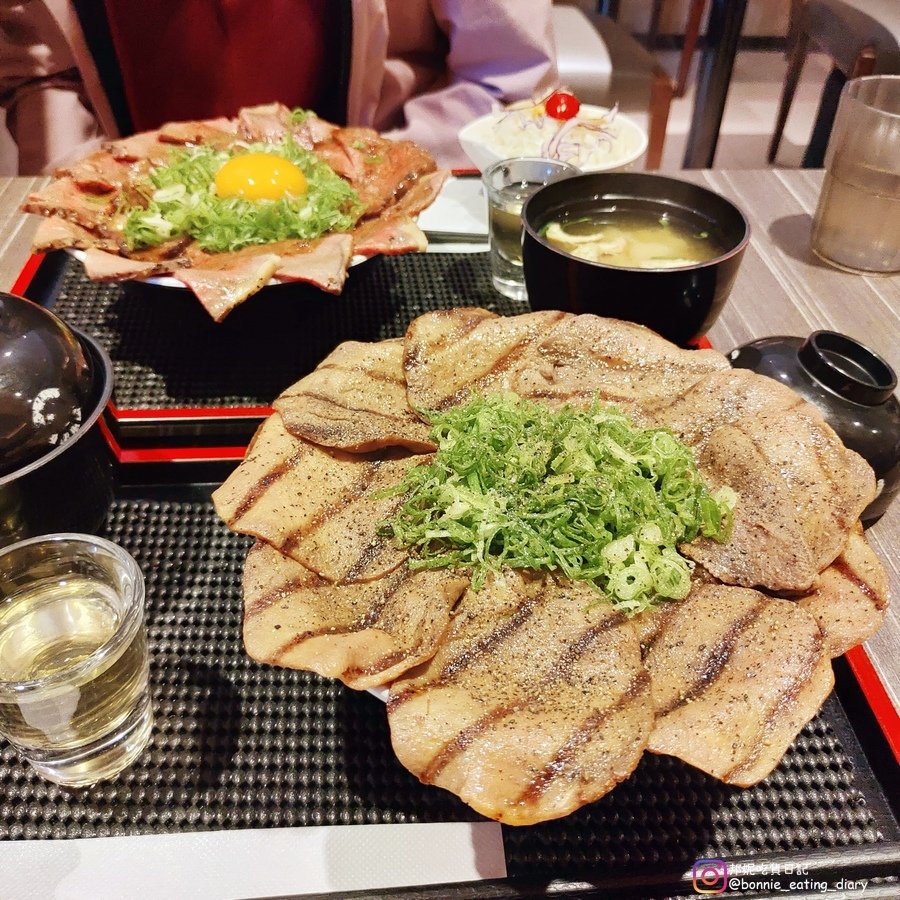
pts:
[167, 352]
[238, 745]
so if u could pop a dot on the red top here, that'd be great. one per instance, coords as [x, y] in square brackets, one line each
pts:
[198, 59]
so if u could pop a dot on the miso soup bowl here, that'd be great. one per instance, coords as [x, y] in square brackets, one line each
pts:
[679, 303]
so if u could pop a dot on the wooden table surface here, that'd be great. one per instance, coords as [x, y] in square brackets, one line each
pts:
[781, 289]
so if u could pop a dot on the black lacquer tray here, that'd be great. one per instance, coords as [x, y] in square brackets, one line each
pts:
[180, 378]
[242, 745]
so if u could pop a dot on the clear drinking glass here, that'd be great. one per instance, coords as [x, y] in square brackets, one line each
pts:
[74, 698]
[857, 223]
[508, 184]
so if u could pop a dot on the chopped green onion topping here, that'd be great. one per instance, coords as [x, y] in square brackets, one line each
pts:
[584, 493]
[180, 199]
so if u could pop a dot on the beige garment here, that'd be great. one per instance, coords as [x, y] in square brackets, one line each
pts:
[420, 69]
[41, 90]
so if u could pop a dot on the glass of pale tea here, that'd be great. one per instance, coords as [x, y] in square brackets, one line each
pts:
[74, 695]
[508, 184]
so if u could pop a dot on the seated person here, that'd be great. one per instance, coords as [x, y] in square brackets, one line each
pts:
[411, 69]
[41, 91]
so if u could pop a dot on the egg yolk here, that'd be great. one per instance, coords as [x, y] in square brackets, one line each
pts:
[259, 176]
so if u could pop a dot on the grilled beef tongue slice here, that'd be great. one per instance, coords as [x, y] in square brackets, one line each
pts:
[800, 491]
[355, 400]
[551, 357]
[450, 353]
[734, 676]
[586, 357]
[849, 599]
[535, 703]
[365, 634]
[314, 504]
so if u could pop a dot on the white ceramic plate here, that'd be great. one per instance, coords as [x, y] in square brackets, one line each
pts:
[461, 207]
[630, 142]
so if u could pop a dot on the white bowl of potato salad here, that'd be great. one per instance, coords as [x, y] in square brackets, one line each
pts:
[592, 138]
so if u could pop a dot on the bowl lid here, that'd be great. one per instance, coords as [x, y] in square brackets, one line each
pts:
[41, 417]
[847, 367]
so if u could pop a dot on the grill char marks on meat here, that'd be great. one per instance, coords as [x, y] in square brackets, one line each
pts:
[849, 599]
[551, 357]
[735, 675]
[800, 490]
[585, 356]
[451, 353]
[365, 634]
[315, 505]
[533, 705]
[537, 697]
[355, 400]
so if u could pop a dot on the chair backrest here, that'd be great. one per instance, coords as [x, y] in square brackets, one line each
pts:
[843, 28]
[581, 55]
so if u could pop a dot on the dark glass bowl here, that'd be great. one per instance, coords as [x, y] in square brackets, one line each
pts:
[852, 386]
[679, 303]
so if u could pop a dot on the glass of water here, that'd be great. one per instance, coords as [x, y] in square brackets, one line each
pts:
[857, 222]
[508, 184]
[74, 697]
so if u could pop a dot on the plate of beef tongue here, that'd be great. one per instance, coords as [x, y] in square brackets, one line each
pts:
[526, 697]
[393, 182]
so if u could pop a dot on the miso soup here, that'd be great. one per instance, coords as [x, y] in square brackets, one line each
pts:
[634, 239]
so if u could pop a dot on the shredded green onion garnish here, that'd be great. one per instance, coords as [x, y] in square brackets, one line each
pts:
[584, 493]
[179, 198]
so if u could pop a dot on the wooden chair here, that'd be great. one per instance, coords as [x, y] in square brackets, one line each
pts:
[861, 37]
[604, 64]
[691, 35]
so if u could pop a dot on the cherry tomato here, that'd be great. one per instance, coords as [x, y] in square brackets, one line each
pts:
[562, 105]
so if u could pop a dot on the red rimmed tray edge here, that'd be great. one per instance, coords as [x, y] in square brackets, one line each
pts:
[32, 264]
[876, 695]
[860, 663]
[125, 455]
[189, 412]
